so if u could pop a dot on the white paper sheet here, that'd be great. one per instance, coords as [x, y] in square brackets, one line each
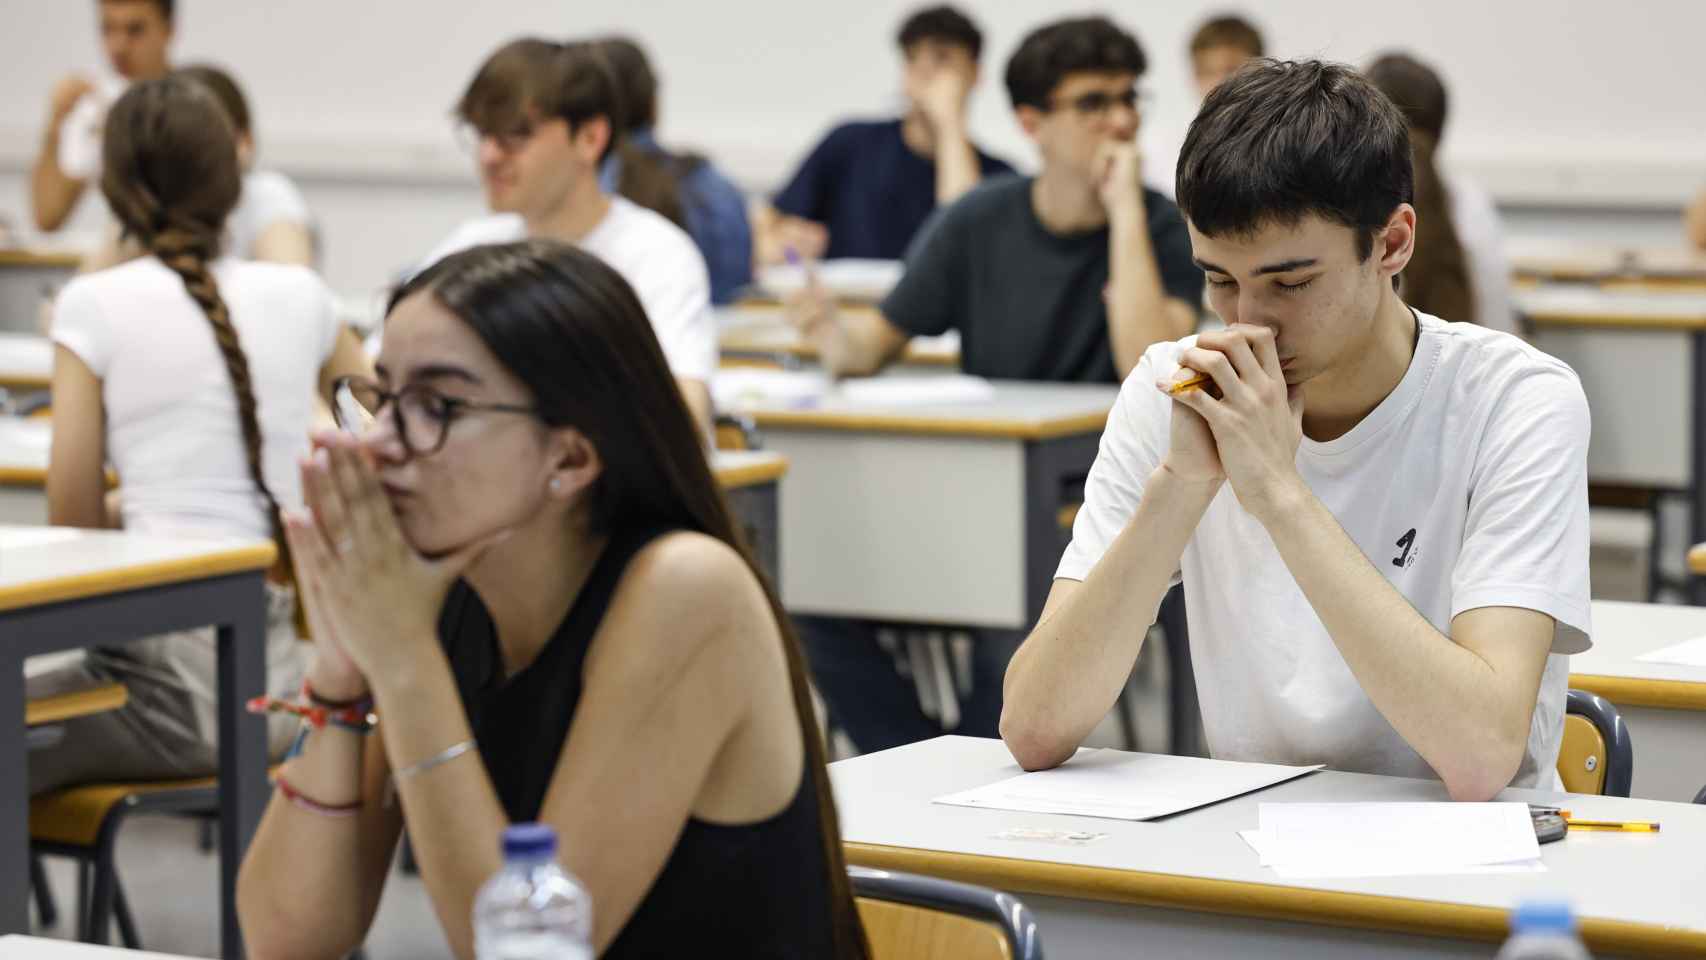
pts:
[1688, 653]
[916, 391]
[849, 278]
[741, 388]
[1321, 840]
[1116, 785]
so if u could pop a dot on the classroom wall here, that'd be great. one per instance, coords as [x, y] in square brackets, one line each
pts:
[1571, 111]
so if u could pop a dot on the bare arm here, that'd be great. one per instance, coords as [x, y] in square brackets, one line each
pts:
[1140, 313]
[1694, 220]
[53, 193]
[775, 232]
[285, 242]
[76, 475]
[348, 359]
[1070, 670]
[957, 170]
[849, 343]
[698, 398]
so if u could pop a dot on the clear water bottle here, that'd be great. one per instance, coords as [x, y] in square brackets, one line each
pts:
[532, 909]
[1543, 930]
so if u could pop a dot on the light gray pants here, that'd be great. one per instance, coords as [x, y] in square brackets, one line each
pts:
[169, 728]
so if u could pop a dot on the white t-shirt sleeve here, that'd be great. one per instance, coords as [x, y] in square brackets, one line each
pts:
[677, 298]
[80, 137]
[1525, 539]
[81, 326]
[1133, 444]
[273, 198]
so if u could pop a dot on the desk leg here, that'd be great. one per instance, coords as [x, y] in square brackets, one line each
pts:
[242, 749]
[14, 802]
[1697, 468]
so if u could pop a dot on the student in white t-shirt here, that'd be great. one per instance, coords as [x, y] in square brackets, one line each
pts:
[194, 378]
[135, 35]
[541, 117]
[1380, 518]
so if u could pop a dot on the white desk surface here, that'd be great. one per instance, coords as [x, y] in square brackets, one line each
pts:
[24, 444]
[46, 564]
[1554, 259]
[1624, 631]
[16, 947]
[1019, 409]
[1196, 861]
[25, 357]
[1573, 302]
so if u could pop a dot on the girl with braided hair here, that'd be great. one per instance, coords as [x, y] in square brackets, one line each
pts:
[194, 376]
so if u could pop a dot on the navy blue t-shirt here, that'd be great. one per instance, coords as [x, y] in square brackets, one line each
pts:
[867, 186]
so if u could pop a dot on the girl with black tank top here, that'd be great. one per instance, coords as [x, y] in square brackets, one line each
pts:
[521, 559]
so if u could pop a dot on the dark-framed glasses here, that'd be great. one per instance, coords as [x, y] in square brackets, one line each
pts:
[1097, 103]
[420, 415]
[509, 142]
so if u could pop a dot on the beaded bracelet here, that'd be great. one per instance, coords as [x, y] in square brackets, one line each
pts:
[364, 703]
[354, 719]
[314, 806]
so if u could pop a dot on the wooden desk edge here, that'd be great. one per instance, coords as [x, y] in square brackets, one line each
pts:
[1697, 558]
[738, 349]
[1695, 323]
[750, 475]
[932, 426]
[25, 381]
[64, 260]
[78, 703]
[1263, 901]
[1639, 692]
[254, 558]
[23, 477]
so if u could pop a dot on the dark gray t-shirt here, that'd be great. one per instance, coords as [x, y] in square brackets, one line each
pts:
[1027, 302]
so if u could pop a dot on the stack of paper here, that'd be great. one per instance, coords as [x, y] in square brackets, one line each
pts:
[1688, 653]
[1125, 786]
[1305, 841]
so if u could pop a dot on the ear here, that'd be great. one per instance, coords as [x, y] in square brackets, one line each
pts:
[245, 151]
[976, 74]
[1395, 244]
[576, 464]
[1030, 119]
[592, 136]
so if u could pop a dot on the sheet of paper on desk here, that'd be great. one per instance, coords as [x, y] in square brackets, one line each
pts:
[1322, 840]
[744, 387]
[1115, 785]
[850, 278]
[1688, 653]
[28, 435]
[937, 390]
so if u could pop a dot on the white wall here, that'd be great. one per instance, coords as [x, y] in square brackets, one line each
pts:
[1558, 104]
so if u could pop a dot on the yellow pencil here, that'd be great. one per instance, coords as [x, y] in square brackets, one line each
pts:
[1625, 826]
[1190, 383]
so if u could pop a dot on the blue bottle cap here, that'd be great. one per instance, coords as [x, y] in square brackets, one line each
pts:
[1541, 916]
[529, 840]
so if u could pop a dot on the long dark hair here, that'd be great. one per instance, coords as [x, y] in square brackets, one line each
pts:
[654, 179]
[573, 331]
[169, 173]
[1437, 278]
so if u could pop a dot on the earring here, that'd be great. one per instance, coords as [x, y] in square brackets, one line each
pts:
[556, 484]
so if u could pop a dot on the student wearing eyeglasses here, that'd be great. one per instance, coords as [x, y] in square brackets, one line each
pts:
[540, 118]
[1066, 276]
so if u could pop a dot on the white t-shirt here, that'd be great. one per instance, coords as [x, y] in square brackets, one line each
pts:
[1482, 237]
[267, 198]
[80, 132]
[173, 432]
[657, 258]
[1466, 487]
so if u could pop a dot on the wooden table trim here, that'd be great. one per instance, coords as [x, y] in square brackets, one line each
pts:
[1641, 692]
[62, 259]
[930, 426]
[242, 559]
[25, 381]
[752, 474]
[23, 477]
[1692, 323]
[1262, 901]
[78, 703]
[1697, 558]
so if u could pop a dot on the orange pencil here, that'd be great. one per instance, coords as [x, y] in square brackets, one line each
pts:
[1194, 382]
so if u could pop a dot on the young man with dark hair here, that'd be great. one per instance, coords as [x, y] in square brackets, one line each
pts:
[1380, 517]
[540, 117]
[1219, 47]
[867, 187]
[1068, 276]
[135, 35]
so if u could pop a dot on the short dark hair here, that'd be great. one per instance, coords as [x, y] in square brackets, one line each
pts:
[224, 88]
[1281, 140]
[944, 24]
[167, 8]
[1084, 45]
[571, 81]
[1228, 31]
[1414, 88]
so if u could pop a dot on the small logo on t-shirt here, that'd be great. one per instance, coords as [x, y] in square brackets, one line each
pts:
[1407, 544]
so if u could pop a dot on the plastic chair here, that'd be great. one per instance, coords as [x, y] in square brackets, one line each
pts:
[736, 432]
[912, 917]
[43, 717]
[1596, 755]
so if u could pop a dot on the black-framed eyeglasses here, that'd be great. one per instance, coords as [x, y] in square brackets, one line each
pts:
[509, 142]
[1097, 103]
[421, 415]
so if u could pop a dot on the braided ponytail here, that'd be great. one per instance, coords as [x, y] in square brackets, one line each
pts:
[170, 175]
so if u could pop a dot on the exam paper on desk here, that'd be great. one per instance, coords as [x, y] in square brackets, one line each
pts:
[1688, 653]
[743, 388]
[1313, 841]
[1116, 785]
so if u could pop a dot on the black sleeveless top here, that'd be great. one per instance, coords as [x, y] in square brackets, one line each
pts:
[755, 890]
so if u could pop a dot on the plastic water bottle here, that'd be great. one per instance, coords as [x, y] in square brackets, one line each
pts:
[532, 909]
[1543, 930]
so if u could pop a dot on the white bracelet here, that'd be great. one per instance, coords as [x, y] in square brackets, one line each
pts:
[416, 769]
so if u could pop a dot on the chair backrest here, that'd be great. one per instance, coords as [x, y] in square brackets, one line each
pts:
[1597, 755]
[911, 917]
[735, 432]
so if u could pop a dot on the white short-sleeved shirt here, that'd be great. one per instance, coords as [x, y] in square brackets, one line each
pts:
[268, 198]
[656, 257]
[173, 432]
[80, 132]
[1466, 487]
[1482, 236]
